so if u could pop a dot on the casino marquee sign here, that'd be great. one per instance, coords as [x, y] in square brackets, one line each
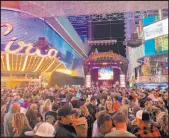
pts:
[19, 56]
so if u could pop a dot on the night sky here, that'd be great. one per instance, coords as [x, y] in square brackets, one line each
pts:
[105, 30]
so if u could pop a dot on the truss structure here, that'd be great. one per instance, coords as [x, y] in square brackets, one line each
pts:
[101, 42]
[91, 11]
[115, 16]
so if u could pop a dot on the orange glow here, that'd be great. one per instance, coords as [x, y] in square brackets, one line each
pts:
[65, 71]
[29, 63]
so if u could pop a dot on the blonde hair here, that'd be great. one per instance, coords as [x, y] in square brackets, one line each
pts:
[47, 104]
[108, 100]
[84, 111]
[20, 121]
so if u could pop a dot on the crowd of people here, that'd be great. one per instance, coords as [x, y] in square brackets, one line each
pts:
[83, 112]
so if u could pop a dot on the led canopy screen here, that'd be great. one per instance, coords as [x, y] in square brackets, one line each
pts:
[105, 74]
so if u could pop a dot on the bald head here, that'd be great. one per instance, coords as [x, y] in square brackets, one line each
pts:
[15, 108]
[33, 107]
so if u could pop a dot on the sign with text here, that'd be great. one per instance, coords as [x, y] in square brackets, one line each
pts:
[156, 29]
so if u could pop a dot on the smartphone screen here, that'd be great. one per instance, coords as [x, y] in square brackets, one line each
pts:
[130, 110]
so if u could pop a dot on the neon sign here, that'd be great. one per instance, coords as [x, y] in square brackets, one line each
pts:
[51, 53]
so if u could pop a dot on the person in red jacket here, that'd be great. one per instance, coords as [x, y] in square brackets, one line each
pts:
[116, 104]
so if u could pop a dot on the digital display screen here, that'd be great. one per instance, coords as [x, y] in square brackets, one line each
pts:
[105, 73]
[156, 29]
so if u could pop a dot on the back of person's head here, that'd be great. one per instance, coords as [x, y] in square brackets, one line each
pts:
[119, 117]
[19, 121]
[125, 101]
[116, 98]
[131, 97]
[15, 108]
[99, 109]
[92, 99]
[45, 130]
[102, 117]
[77, 112]
[47, 104]
[33, 106]
[135, 109]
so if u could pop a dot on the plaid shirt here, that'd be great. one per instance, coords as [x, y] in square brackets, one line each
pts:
[147, 132]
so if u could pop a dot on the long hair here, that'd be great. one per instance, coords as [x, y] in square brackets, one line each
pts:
[163, 123]
[109, 100]
[47, 105]
[84, 111]
[20, 121]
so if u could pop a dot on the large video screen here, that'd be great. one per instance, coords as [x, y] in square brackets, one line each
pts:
[156, 29]
[105, 73]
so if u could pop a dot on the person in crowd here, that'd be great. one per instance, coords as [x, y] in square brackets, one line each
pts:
[32, 115]
[95, 127]
[163, 124]
[109, 106]
[90, 120]
[21, 98]
[15, 100]
[25, 104]
[46, 107]
[132, 116]
[51, 115]
[132, 103]
[82, 121]
[2, 116]
[20, 125]
[120, 130]
[125, 106]
[92, 106]
[116, 104]
[69, 96]
[45, 130]
[102, 102]
[62, 94]
[79, 123]
[63, 126]
[104, 124]
[9, 100]
[8, 131]
[144, 127]
[41, 130]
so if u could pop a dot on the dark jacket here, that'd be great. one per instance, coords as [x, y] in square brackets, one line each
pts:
[92, 110]
[64, 131]
[25, 130]
[32, 117]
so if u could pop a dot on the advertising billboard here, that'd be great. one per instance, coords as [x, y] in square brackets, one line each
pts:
[156, 29]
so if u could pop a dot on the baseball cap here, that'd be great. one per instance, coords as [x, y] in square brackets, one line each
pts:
[65, 110]
[143, 115]
[32, 133]
[45, 130]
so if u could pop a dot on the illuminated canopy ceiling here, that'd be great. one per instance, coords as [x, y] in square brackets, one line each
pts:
[75, 8]
[28, 63]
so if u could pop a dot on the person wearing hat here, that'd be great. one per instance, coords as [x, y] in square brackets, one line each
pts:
[64, 126]
[144, 126]
[42, 129]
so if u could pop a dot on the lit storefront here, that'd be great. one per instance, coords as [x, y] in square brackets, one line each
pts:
[31, 51]
[154, 64]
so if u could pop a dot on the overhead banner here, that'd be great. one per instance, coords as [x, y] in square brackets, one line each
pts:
[156, 29]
